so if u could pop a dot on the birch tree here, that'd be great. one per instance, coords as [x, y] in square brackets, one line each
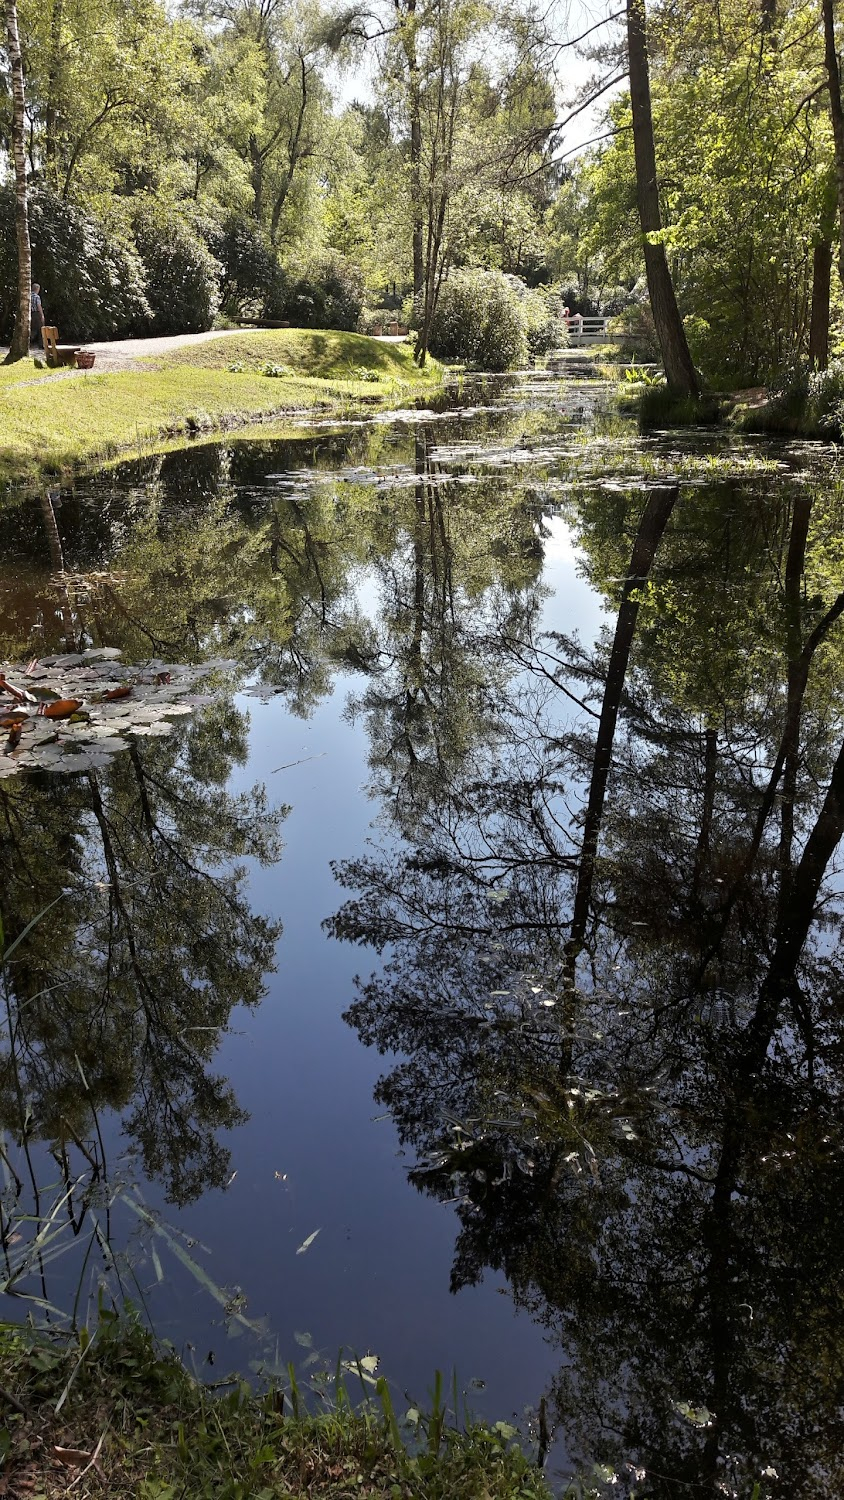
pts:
[20, 336]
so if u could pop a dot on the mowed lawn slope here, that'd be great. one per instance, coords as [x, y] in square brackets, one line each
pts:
[50, 421]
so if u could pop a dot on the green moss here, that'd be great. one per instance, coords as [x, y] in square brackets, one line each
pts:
[163, 1435]
[58, 423]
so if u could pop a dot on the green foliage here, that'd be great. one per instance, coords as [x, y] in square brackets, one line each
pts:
[248, 266]
[92, 282]
[658, 407]
[175, 1438]
[809, 402]
[633, 328]
[181, 274]
[746, 185]
[479, 321]
[825, 399]
[324, 291]
[542, 315]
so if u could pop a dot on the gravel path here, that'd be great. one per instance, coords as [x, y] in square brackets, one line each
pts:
[123, 354]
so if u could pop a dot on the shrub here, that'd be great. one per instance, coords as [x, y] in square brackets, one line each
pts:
[182, 276]
[479, 321]
[247, 266]
[92, 281]
[326, 291]
[635, 329]
[825, 399]
[542, 314]
[378, 317]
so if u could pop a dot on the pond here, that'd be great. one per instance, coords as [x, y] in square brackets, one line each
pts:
[454, 976]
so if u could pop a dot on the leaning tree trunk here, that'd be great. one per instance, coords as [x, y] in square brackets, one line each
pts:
[679, 369]
[836, 114]
[20, 337]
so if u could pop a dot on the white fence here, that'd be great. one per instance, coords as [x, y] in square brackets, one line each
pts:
[585, 331]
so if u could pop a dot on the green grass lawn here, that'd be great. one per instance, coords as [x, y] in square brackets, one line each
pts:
[53, 424]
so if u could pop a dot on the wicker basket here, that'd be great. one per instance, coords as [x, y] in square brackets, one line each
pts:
[84, 360]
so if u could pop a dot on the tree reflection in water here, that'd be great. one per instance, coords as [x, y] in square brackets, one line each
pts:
[617, 998]
[143, 943]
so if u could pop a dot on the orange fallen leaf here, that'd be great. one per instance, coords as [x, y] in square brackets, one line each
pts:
[61, 709]
[118, 692]
[13, 720]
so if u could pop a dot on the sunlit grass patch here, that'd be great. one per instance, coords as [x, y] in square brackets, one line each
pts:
[87, 419]
[323, 354]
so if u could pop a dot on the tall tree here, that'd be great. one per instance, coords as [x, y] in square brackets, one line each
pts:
[679, 367]
[19, 347]
[836, 113]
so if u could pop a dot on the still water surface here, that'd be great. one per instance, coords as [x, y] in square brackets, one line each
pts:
[460, 983]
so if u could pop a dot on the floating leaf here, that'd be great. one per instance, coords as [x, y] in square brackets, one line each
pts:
[61, 709]
[697, 1415]
[306, 1244]
[506, 1430]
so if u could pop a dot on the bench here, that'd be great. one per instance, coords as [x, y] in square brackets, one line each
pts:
[56, 353]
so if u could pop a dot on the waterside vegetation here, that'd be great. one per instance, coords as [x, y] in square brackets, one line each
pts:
[109, 1411]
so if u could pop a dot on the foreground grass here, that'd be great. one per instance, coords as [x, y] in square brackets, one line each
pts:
[49, 422]
[113, 1416]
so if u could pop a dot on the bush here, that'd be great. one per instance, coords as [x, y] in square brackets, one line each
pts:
[326, 291]
[182, 276]
[542, 314]
[480, 321]
[92, 281]
[825, 400]
[634, 328]
[379, 317]
[247, 266]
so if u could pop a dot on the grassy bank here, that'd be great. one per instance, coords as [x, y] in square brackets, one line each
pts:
[113, 1416]
[50, 422]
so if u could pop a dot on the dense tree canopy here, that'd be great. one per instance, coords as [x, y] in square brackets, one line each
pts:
[214, 155]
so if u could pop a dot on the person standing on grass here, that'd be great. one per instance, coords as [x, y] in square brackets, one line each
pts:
[37, 314]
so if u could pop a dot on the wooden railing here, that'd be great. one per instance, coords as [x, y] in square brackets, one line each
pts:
[585, 331]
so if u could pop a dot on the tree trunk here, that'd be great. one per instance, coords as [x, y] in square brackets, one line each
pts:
[257, 178]
[654, 519]
[51, 108]
[407, 26]
[819, 325]
[836, 114]
[20, 337]
[416, 191]
[293, 149]
[679, 369]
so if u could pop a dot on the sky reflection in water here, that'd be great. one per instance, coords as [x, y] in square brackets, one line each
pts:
[604, 1020]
